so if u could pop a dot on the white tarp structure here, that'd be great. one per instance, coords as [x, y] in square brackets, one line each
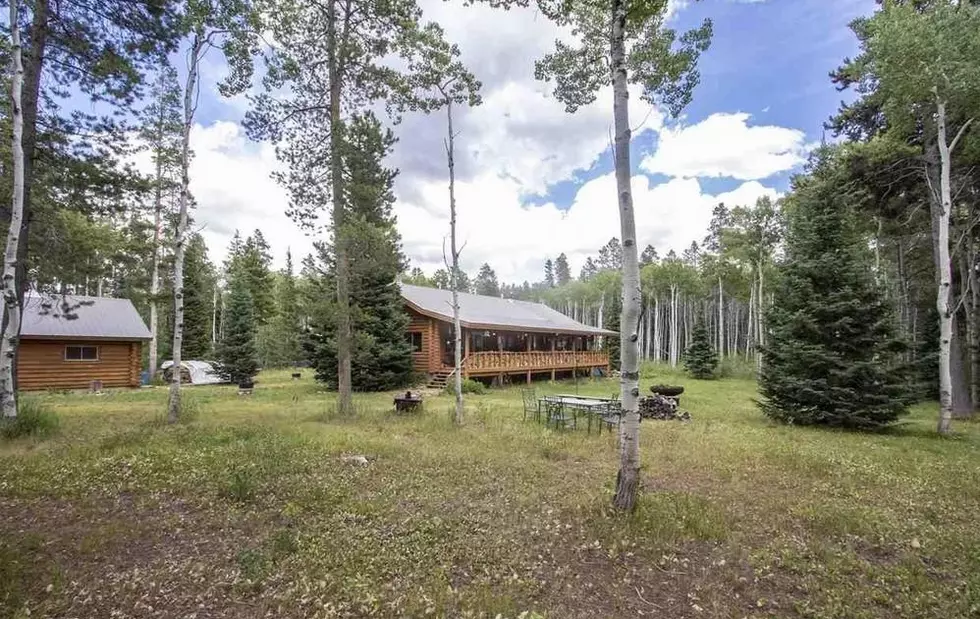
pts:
[193, 372]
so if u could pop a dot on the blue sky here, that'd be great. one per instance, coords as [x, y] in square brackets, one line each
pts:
[534, 181]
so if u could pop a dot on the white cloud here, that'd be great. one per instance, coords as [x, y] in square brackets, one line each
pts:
[231, 183]
[515, 239]
[724, 145]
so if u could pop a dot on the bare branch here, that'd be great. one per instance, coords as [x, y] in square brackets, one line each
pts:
[959, 134]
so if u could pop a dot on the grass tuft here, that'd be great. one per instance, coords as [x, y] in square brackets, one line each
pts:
[34, 419]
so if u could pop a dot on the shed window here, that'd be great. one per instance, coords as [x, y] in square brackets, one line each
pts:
[81, 353]
[415, 339]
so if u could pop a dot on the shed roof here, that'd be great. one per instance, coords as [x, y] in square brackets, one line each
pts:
[482, 312]
[56, 316]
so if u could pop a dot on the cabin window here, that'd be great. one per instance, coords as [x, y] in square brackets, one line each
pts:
[81, 353]
[415, 339]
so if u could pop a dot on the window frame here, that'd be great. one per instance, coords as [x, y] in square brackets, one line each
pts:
[81, 353]
[411, 337]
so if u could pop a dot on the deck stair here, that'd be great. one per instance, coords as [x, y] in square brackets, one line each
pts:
[439, 380]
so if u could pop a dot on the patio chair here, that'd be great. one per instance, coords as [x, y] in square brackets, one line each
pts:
[557, 415]
[611, 415]
[531, 405]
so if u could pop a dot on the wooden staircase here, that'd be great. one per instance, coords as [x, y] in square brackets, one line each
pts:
[438, 380]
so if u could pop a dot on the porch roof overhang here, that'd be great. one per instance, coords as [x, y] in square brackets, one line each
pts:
[482, 312]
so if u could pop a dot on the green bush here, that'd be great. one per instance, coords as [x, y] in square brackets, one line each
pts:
[33, 418]
[469, 386]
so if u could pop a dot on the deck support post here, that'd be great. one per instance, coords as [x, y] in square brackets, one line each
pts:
[552, 374]
[529, 377]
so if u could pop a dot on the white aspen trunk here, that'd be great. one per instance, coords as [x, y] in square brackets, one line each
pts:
[599, 319]
[657, 331]
[214, 317]
[943, 305]
[721, 319]
[628, 479]
[735, 321]
[687, 324]
[11, 304]
[454, 272]
[180, 239]
[649, 328]
[674, 340]
[760, 321]
[155, 273]
[750, 325]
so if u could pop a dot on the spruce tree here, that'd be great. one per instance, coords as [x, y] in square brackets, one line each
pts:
[198, 300]
[237, 360]
[381, 357]
[831, 344]
[700, 358]
[563, 274]
[549, 273]
[486, 282]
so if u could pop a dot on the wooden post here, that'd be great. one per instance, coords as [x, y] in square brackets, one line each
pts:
[466, 352]
[552, 374]
[529, 377]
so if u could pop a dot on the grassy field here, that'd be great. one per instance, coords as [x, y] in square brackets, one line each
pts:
[250, 509]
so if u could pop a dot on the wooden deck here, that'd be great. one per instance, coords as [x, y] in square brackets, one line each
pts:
[492, 363]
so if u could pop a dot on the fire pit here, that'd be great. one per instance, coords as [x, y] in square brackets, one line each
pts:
[408, 402]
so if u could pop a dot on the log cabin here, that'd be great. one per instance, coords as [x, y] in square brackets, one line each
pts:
[73, 342]
[503, 339]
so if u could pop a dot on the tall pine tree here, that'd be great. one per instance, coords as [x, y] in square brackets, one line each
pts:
[486, 282]
[199, 282]
[237, 360]
[827, 359]
[381, 357]
[563, 274]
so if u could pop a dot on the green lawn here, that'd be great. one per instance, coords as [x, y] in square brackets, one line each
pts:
[249, 510]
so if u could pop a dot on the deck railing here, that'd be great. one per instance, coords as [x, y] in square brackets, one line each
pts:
[534, 360]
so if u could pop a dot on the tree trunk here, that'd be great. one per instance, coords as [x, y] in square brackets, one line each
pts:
[180, 239]
[345, 401]
[454, 272]
[30, 97]
[11, 301]
[657, 331]
[155, 273]
[628, 479]
[721, 319]
[760, 320]
[962, 404]
[943, 306]
[214, 318]
[971, 325]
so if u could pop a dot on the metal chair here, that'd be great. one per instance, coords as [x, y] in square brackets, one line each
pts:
[612, 415]
[531, 404]
[555, 409]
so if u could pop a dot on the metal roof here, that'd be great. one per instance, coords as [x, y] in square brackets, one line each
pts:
[54, 316]
[481, 312]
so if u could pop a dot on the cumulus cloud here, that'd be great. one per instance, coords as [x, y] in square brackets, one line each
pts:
[724, 145]
[516, 238]
[231, 184]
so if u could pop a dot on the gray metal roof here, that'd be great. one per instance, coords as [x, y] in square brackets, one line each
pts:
[478, 311]
[77, 317]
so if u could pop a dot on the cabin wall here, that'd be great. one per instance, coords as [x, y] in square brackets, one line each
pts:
[427, 360]
[41, 365]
